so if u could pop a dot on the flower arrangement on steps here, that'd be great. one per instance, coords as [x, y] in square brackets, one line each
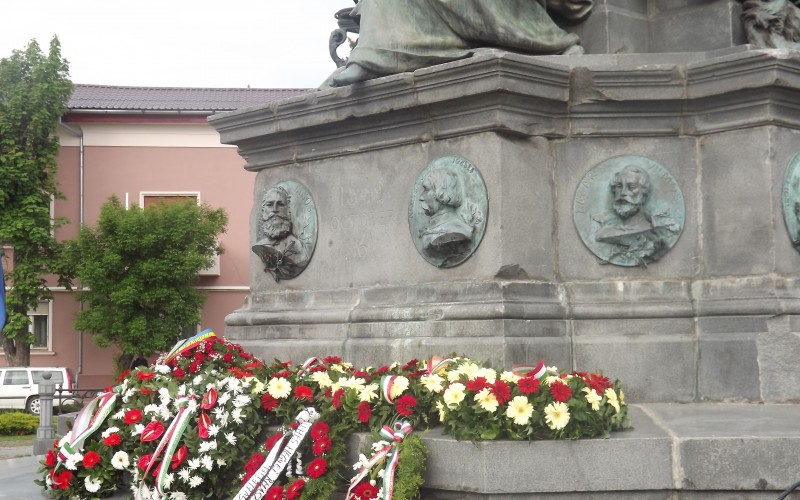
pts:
[197, 423]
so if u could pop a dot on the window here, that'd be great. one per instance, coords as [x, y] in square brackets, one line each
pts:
[40, 326]
[16, 377]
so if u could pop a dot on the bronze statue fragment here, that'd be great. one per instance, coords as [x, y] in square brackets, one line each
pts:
[397, 36]
[791, 200]
[447, 211]
[772, 23]
[286, 230]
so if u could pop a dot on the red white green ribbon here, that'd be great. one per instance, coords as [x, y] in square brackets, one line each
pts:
[436, 363]
[169, 442]
[537, 371]
[387, 382]
[395, 436]
[88, 420]
[278, 458]
[187, 344]
[309, 364]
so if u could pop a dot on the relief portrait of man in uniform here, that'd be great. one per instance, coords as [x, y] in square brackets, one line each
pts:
[637, 214]
[286, 230]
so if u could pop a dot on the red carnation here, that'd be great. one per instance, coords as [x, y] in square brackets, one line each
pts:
[275, 493]
[146, 391]
[317, 468]
[411, 364]
[318, 368]
[364, 412]
[528, 385]
[322, 445]
[501, 391]
[50, 459]
[361, 374]
[268, 402]
[178, 457]
[405, 405]
[194, 367]
[254, 463]
[133, 416]
[303, 393]
[281, 374]
[199, 357]
[112, 440]
[227, 357]
[91, 459]
[366, 491]
[560, 392]
[332, 359]
[319, 429]
[293, 491]
[272, 440]
[178, 373]
[337, 398]
[382, 369]
[477, 384]
[145, 375]
[123, 375]
[61, 479]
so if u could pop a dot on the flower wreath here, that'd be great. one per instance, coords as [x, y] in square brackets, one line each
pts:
[294, 462]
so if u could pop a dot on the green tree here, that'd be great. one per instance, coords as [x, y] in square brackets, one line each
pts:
[138, 268]
[34, 91]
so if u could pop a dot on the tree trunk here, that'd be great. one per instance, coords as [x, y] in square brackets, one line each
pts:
[16, 355]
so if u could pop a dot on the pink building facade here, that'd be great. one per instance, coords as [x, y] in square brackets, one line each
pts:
[141, 144]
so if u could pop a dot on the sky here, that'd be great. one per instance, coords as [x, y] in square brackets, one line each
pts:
[180, 43]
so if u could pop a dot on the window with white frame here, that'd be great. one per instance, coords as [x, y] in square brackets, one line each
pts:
[40, 326]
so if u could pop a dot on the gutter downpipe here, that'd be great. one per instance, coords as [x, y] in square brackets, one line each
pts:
[79, 133]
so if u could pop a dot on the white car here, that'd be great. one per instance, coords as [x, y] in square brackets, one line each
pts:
[19, 386]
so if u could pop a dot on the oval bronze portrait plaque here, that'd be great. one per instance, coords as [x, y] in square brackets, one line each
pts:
[629, 210]
[286, 229]
[447, 212]
[791, 200]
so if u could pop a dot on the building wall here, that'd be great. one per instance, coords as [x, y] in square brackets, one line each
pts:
[127, 157]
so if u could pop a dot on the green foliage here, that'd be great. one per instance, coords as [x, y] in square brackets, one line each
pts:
[138, 267]
[18, 424]
[410, 468]
[34, 91]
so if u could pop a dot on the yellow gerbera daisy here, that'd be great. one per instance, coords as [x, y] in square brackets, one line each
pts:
[556, 415]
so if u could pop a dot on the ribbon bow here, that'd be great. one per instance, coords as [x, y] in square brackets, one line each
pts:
[436, 363]
[395, 434]
[537, 371]
[86, 423]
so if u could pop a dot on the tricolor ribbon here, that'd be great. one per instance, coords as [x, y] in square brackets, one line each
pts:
[169, 442]
[395, 435]
[537, 371]
[187, 344]
[309, 364]
[88, 420]
[437, 363]
[278, 458]
[387, 382]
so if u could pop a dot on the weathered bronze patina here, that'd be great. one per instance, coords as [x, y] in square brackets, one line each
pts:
[629, 210]
[286, 233]
[791, 200]
[772, 23]
[447, 211]
[397, 36]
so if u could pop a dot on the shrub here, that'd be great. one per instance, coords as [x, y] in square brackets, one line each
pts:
[18, 424]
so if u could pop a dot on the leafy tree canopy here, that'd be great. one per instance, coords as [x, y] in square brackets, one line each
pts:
[138, 267]
[34, 91]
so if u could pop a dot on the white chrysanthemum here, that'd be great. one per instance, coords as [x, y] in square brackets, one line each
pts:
[207, 462]
[92, 485]
[520, 410]
[221, 416]
[182, 390]
[151, 408]
[258, 388]
[279, 388]
[197, 380]
[184, 474]
[162, 369]
[377, 446]
[487, 400]
[168, 480]
[234, 385]
[109, 431]
[322, 379]
[454, 395]
[368, 393]
[193, 463]
[363, 461]
[178, 495]
[398, 387]
[241, 400]
[195, 481]
[206, 446]
[223, 398]
[119, 415]
[221, 463]
[73, 460]
[230, 437]
[137, 429]
[166, 415]
[246, 382]
[433, 383]
[120, 460]
[213, 429]
[236, 415]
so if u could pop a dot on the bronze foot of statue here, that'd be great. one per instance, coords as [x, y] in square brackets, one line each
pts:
[352, 73]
